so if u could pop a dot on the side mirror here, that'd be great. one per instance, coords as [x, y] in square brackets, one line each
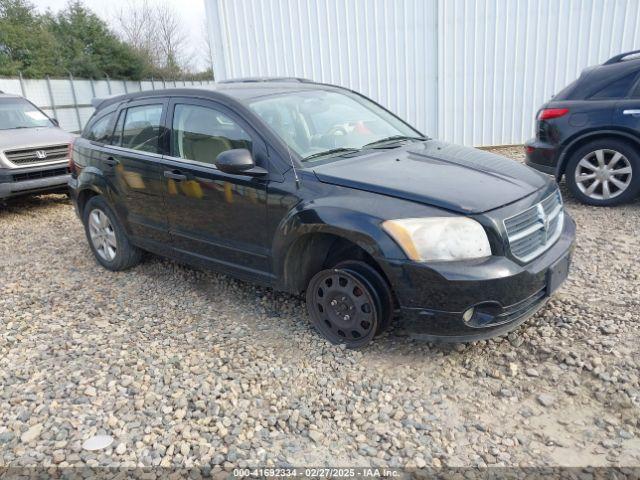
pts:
[238, 161]
[55, 122]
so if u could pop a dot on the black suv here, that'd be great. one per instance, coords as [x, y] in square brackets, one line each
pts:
[590, 133]
[310, 187]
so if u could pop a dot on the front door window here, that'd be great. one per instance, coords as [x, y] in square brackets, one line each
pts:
[202, 133]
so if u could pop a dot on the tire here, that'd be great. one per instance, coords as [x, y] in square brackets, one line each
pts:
[345, 304]
[591, 177]
[107, 238]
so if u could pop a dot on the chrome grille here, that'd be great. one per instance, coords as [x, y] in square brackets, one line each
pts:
[533, 231]
[27, 156]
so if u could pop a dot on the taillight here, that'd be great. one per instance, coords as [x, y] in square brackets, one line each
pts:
[72, 164]
[549, 113]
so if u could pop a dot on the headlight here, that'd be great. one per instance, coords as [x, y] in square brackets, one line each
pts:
[439, 238]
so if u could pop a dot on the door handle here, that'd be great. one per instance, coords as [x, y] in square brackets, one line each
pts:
[634, 112]
[111, 162]
[175, 175]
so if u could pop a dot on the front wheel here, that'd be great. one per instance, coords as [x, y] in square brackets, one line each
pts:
[345, 306]
[604, 173]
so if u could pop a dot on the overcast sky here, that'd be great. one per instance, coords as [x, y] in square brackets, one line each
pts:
[191, 11]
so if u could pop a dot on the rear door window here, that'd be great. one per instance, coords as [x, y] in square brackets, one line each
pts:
[141, 128]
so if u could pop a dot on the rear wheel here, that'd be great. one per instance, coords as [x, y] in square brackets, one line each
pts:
[346, 304]
[604, 172]
[107, 238]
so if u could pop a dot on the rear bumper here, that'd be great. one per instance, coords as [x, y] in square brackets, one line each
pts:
[434, 297]
[22, 181]
[544, 157]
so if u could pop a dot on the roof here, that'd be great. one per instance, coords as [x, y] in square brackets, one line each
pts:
[241, 90]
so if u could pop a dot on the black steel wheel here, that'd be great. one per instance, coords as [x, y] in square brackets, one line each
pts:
[344, 306]
[381, 287]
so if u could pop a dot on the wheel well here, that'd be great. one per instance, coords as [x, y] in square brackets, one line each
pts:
[596, 136]
[83, 197]
[314, 252]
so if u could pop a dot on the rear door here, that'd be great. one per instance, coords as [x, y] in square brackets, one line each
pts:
[215, 216]
[135, 158]
[627, 114]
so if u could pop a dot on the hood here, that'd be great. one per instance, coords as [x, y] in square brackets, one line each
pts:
[33, 137]
[452, 177]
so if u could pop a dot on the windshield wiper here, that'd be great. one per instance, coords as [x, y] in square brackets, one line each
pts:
[333, 151]
[392, 138]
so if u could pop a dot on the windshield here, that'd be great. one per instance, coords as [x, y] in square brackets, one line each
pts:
[315, 123]
[18, 113]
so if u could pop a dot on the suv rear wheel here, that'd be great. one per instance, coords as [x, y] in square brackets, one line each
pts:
[349, 304]
[107, 238]
[604, 172]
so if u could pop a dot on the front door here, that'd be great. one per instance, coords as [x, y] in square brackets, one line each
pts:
[215, 216]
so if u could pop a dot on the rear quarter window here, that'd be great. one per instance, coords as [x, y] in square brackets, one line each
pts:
[100, 129]
[635, 93]
[617, 89]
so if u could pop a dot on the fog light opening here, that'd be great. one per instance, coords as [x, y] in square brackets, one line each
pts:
[468, 314]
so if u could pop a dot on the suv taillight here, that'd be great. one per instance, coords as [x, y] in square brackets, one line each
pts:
[72, 165]
[549, 113]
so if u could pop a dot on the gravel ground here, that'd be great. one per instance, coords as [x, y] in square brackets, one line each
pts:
[183, 367]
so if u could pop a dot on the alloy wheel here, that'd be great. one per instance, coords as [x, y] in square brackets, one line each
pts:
[603, 174]
[103, 236]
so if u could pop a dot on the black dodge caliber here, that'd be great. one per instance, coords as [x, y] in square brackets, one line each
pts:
[313, 188]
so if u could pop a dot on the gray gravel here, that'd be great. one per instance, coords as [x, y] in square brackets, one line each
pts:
[189, 368]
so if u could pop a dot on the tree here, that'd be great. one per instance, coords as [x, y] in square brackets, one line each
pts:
[26, 45]
[136, 26]
[155, 30]
[87, 48]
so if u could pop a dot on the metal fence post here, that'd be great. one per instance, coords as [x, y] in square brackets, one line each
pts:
[52, 101]
[22, 84]
[124, 84]
[153, 84]
[75, 101]
[108, 83]
[93, 87]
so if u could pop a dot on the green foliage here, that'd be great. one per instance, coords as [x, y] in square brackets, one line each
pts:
[26, 44]
[74, 41]
[87, 48]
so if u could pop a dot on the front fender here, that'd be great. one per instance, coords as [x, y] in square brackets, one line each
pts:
[317, 218]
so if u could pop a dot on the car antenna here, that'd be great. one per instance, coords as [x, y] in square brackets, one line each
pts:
[293, 166]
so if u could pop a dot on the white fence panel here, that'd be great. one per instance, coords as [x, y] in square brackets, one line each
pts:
[69, 100]
[101, 88]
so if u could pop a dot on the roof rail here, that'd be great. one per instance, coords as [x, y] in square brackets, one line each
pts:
[266, 79]
[621, 57]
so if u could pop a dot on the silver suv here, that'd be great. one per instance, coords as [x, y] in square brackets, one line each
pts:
[33, 149]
